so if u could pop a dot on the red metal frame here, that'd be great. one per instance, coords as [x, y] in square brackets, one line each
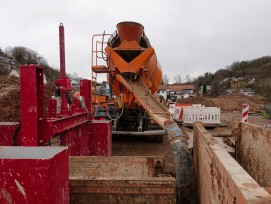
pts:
[58, 125]
[85, 91]
[32, 108]
[72, 124]
[29, 174]
[100, 138]
[63, 82]
[62, 51]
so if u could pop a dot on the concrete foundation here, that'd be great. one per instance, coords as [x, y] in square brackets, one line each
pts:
[120, 179]
[221, 179]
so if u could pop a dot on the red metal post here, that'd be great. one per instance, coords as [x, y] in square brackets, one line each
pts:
[100, 138]
[85, 91]
[84, 140]
[63, 83]
[32, 107]
[52, 108]
[62, 51]
[71, 139]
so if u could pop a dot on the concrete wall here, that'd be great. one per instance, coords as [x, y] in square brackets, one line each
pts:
[125, 191]
[114, 166]
[220, 178]
[253, 152]
[120, 179]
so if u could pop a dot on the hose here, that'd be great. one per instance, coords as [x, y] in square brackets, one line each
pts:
[121, 105]
[185, 172]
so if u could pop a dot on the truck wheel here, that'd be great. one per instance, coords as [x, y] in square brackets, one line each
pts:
[159, 138]
[150, 138]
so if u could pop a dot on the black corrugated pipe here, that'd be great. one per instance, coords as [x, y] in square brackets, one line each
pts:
[185, 172]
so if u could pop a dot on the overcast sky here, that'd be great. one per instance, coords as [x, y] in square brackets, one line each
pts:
[190, 37]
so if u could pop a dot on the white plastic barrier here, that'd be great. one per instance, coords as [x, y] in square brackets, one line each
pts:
[210, 115]
[177, 109]
[172, 108]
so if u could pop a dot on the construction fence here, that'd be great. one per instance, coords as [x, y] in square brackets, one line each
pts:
[189, 113]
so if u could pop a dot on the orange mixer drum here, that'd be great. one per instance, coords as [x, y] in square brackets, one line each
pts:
[130, 31]
[132, 53]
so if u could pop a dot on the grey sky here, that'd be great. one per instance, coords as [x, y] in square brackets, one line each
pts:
[190, 37]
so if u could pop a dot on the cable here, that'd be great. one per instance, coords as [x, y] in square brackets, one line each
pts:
[121, 104]
[15, 134]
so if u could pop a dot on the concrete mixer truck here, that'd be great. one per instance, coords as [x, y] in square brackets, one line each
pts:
[134, 76]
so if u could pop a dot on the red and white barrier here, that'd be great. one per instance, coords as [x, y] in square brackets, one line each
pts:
[207, 115]
[245, 113]
[176, 109]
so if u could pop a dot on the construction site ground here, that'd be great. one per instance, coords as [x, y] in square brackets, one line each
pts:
[231, 112]
[231, 107]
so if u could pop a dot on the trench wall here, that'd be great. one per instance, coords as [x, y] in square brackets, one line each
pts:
[114, 166]
[220, 178]
[119, 179]
[253, 152]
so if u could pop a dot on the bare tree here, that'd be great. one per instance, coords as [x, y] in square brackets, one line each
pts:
[24, 55]
[188, 79]
[165, 79]
[178, 79]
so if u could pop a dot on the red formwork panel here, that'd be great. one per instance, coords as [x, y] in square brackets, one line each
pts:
[71, 139]
[85, 91]
[32, 104]
[34, 175]
[100, 138]
[77, 139]
[84, 140]
[8, 133]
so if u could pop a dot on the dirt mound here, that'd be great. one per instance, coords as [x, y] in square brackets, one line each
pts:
[10, 98]
[196, 100]
[226, 103]
[235, 103]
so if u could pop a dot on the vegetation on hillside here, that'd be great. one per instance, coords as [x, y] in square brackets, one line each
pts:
[23, 55]
[255, 74]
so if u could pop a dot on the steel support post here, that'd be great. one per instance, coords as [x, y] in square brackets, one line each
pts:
[32, 106]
